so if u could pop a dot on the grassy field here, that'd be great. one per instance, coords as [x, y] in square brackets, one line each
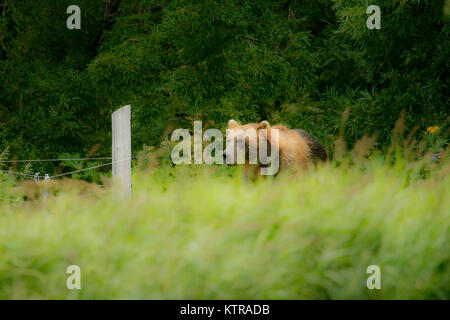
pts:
[204, 233]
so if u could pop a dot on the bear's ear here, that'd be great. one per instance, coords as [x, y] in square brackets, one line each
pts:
[264, 125]
[232, 123]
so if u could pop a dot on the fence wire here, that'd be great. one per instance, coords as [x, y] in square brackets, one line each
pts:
[49, 160]
[36, 175]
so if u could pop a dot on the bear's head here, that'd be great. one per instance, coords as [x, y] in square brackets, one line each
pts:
[243, 142]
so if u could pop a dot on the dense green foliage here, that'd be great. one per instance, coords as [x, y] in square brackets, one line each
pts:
[301, 63]
[206, 235]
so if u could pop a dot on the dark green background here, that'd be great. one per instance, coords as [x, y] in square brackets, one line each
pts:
[300, 63]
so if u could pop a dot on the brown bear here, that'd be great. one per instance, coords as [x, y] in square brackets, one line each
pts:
[296, 148]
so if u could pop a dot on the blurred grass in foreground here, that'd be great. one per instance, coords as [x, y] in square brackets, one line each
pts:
[211, 235]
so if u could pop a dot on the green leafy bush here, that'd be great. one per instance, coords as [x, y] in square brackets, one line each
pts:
[301, 63]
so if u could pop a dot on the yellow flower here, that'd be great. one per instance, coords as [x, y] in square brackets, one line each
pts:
[432, 129]
[184, 66]
[180, 51]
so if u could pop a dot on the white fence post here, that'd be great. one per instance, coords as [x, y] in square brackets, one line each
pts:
[121, 147]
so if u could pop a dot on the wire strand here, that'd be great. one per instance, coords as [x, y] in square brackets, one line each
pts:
[67, 173]
[48, 160]
[85, 169]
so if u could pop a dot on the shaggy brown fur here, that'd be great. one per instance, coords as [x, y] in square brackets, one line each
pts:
[297, 148]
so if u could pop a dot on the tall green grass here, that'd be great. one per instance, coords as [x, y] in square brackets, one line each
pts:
[203, 233]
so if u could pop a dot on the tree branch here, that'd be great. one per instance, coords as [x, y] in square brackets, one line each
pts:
[111, 7]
